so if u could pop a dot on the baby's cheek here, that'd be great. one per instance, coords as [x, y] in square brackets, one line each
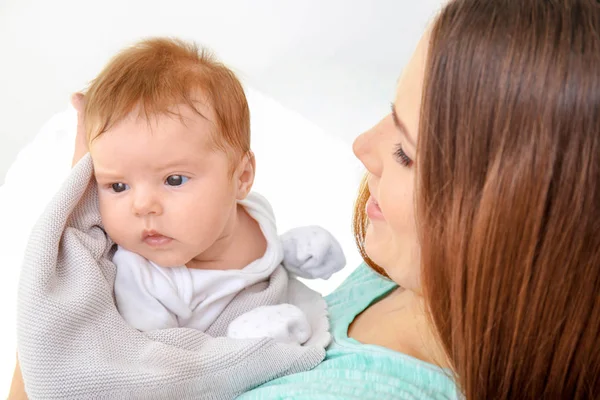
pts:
[196, 227]
[113, 224]
[194, 216]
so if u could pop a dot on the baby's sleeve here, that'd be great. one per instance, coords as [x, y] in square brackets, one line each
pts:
[312, 252]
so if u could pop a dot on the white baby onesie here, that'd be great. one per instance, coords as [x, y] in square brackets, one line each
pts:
[152, 297]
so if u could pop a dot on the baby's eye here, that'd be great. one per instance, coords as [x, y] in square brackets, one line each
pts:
[119, 187]
[176, 180]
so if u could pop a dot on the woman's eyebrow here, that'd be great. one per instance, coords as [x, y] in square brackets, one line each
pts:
[401, 127]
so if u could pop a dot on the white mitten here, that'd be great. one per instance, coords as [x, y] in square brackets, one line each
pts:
[285, 323]
[312, 252]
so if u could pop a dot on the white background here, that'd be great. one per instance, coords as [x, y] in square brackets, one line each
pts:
[318, 71]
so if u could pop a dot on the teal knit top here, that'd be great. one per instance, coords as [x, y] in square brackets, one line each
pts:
[352, 370]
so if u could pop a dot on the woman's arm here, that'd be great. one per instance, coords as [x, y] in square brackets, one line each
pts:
[17, 387]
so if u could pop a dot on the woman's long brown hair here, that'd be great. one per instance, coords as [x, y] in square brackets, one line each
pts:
[508, 196]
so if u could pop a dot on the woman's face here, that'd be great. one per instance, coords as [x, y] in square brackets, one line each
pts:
[388, 151]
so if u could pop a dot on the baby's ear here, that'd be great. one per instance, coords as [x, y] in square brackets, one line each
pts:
[245, 176]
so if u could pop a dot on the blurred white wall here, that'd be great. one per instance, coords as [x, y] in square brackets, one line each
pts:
[333, 61]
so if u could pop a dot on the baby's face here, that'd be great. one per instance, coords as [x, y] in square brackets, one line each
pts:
[164, 191]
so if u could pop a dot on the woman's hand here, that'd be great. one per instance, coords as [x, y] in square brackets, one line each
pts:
[17, 388]
[81, 145]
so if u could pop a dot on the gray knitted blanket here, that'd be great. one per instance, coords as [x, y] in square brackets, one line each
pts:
[73, 344]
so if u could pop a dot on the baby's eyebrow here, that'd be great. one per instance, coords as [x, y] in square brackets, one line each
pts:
[106, 174]
[173, 164]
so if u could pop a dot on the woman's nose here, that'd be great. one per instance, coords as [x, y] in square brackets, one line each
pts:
[365, 149]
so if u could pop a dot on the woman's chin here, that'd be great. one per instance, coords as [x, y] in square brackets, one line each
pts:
[377, 245]
[401, 269]
[375, 251]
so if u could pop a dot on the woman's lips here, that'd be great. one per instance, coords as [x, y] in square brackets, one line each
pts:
[373, 210]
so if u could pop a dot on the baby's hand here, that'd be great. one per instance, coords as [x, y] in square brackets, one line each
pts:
[81, 146]
[312, 252]
[285, 323]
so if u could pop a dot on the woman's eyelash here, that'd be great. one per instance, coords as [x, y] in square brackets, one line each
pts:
[401, 156]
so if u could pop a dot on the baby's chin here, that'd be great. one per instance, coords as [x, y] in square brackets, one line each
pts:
[169, 257]
[166, 260]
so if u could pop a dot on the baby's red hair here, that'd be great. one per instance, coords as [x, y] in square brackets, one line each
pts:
[159, 73]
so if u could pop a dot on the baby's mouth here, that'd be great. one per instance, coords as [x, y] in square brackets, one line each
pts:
[155, 239]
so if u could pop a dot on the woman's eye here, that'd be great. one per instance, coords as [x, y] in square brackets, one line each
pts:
[176, 180]
[119, 187]
[401, 156]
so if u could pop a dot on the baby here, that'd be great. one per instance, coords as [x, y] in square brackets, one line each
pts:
[168, 129]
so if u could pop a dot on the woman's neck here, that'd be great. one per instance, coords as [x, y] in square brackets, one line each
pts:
[399, 322]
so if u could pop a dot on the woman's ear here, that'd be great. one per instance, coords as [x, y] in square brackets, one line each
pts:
[245, 175]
